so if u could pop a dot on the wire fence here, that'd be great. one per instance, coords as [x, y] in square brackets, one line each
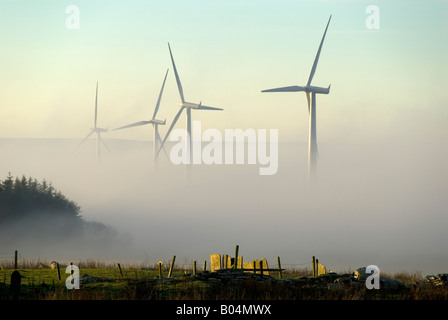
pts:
[13, 260]
[7, 259]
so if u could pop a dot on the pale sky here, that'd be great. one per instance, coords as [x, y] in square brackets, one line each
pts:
[226, 53]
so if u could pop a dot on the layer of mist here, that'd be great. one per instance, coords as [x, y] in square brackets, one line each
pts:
[371, 204]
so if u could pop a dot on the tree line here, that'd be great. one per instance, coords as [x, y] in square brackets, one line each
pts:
[24, 197]
[37, 217]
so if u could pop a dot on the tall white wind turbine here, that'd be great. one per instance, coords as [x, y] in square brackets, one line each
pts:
[96, 129]
[184, 105]
[155, 123]
[309, 89]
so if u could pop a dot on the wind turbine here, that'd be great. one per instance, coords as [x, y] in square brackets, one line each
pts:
[96, 129]
[155, 123]
[309, 89]
[184, 105]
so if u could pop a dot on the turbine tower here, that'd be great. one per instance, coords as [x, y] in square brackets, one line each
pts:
[96, 129]
[313, 91]
[184, 105]
[155, 123]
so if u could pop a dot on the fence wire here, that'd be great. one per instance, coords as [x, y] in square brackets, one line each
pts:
[6, 261]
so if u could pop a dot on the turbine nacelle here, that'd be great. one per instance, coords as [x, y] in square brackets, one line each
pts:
[199, 106]
[155, 121]
[307, 89]
[141, 123]
[100, 129]
[188, 105]
[319, 90]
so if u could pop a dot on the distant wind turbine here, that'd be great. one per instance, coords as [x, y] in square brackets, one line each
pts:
[155, 123]
[184, 105]
[309, 89]
[96, 129]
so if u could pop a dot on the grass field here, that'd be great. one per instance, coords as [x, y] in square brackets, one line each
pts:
[100, 281]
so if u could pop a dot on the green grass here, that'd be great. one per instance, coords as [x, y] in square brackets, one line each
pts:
[50, 276]
[137, 284]
[110, 284]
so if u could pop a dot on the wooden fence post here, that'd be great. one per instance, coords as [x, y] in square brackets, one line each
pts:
[171, 267]
[314, 266]
[15, 259]
[235, 262]
[160, 269]
[279, 268]
[194, 267]
[119, 269]
[59, 271]
[205, 266]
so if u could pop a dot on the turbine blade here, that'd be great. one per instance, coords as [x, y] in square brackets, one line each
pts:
[140, 123]
[104, 143]
[308, 99]
[160, 142]
[286, 89]
[179, 85]
[201, 107]
[316, 60]
[83, 140]
[164, 151]
[96, 106]
[160, 97]
[169, 130]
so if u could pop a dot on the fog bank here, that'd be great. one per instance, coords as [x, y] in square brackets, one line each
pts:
[371, 204]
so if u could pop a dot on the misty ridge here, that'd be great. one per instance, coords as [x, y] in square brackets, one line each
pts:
[35, 213]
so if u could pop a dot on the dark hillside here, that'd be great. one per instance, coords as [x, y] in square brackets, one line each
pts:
[34, 213]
